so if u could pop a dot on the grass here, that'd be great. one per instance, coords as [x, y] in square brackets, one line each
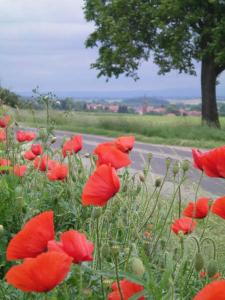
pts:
[131, 234]
[168, 130]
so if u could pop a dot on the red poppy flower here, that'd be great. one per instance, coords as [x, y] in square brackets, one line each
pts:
[25, 136]
[109, 154]
[197, 156]
[37, 149]
[101, 186]
[4, 122]
[199, 210]
[33, 238]
[212, 291]
[4, 163]
[125, 143]
[40, 274]
[186, 225]
[58, 172]
[74, 244]
[43, 163]
[29, 155]
[211, 162]
[218, 207]
[2, 135]
[72, 145]
[128, 290]
[19, 170]
[204, 274]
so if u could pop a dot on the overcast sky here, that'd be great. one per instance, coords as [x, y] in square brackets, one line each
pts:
[42, 43]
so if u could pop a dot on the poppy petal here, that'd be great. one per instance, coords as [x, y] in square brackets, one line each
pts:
[33, 238]
[212, 291]
[101, 186]
[40, 274]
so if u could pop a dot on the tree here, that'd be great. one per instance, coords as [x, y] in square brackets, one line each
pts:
[9, 98]
[175, 32]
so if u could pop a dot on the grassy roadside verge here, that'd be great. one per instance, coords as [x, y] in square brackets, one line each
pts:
[168, 130]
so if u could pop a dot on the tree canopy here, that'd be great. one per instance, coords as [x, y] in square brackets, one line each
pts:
[174, 32]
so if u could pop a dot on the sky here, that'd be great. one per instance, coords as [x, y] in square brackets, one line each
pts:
[42, 43]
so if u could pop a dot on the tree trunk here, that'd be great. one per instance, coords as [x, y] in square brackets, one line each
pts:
[208, 84]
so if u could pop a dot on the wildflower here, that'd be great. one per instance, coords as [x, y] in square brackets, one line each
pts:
[58, 172]
[211, 162]
[19, 170]
[101, 186]
[204, 274]
[109, 154]
[218, 207]
[4, 164]
[74, 244]
[197, 155]
[40, 274]
[29, 155]
[198, 210]
[128, 289]
[37, 149]
[2, 135]
[125, 143]
[185, 225]
[33, 238]
[25, 136]
[4, 121]
[212, 291]
[43, 163]
[72, 145]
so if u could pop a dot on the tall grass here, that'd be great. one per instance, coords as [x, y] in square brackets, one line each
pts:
[171, 130]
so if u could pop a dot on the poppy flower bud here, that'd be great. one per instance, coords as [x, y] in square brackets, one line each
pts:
[185, 165]
[199, 262]
[175, 168]
[20, 201]
[168, 162]
[212, 268]
[106, 250]
[115, 250]
[142, 178]
[158, 182]
[137, 266]
[96, 212]
[1, 230]
[53, 140]
[162, 243]
[149, 156]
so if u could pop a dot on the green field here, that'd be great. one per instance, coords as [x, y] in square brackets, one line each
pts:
[170, 130]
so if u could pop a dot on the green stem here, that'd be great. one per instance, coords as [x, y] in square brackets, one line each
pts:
[99, 263]
[117, 277]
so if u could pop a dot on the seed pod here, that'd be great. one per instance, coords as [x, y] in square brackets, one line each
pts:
[212, 268]
[168, 162]
[149, 156]
[115, 250]
[142, 178]
[53, 140]
[175, 168]
[158, 182]
[199, 262]
[137, 266]
[185, 165]
[106, 250]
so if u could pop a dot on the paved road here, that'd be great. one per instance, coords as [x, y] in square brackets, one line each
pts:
[209, 186]
[214, 187]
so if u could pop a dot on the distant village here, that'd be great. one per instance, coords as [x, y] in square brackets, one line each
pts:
[143, 109]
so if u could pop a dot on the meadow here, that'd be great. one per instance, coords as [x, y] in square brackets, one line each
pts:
[85, 226]
[169, 130]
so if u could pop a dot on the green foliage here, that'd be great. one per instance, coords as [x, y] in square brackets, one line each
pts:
[169, 130]
[9, 98]
[174, 31]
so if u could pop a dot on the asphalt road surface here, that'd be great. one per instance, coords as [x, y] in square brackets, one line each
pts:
[214, 187]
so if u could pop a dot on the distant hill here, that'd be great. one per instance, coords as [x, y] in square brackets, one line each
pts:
[155, 101]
